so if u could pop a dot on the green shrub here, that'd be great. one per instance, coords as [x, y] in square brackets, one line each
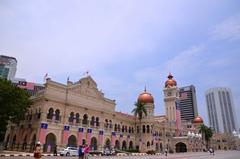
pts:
[151, 152]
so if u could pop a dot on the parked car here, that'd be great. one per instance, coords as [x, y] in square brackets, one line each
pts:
[69, 151]
[109, 152]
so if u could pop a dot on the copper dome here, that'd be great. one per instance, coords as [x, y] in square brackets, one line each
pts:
[170, 82]
[145, 97]
[198, 120]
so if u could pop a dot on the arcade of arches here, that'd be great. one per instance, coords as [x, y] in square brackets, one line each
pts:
[78, 113]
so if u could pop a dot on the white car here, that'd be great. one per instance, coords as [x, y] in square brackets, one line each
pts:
[69, 151]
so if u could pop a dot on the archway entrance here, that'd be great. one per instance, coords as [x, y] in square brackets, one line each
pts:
[157, 147]
[124, 145]
[33, 141]
[14, 142]
[50, 143]
[72, 141]
[6, 142]
[107, 143]
[24, 145]
[130, 145]
[181, 147]
[93, 143]
[161, 147]
[117, 144]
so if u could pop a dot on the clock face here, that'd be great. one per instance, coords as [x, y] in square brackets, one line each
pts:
[169, 93]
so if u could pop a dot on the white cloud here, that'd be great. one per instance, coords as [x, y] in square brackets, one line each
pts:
[229, 29]
[180, 65]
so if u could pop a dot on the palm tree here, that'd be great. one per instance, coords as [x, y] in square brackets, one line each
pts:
[139, 111]
[206, 133]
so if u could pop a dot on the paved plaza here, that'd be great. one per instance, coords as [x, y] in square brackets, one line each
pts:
[197, 155]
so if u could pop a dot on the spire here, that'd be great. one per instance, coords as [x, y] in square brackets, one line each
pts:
[145, 89]
[170, 76]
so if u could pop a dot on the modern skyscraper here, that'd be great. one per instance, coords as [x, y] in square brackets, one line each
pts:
[8, 67]
[220, 109]
[188, 103]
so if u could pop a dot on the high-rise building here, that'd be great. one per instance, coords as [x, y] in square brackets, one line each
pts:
[8, 67]
[220, 109]
[188, 103]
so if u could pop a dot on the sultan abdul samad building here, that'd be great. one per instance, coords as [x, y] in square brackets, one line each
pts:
[78, 113]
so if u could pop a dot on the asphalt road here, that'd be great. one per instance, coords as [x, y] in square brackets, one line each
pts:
[197, 155]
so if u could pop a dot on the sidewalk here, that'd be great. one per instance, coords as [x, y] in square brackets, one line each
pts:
[18, 154]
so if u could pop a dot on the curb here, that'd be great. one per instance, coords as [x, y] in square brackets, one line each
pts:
[118, 154]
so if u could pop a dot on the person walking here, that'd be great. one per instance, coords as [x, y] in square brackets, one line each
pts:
[37, 154]
[55, 151]
[166, 151]
[80, 152]
[210, 150]
[86, 151]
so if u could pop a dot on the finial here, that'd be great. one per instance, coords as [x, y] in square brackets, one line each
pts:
[145, 89]
[170, 76]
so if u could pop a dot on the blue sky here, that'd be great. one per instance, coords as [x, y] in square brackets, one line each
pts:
[126, 45]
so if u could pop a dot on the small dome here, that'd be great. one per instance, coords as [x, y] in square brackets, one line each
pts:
[170, 82]
[145, 97]
[198, 120]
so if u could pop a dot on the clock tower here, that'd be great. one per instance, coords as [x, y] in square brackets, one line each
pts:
[171, 96]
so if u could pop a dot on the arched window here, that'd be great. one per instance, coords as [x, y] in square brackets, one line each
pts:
[77, 118]
[110, 124]
[115, 127]
[36, 114]
[129, 130]
[106, 123]
[39, 113]
[85, 119]
[50, 113]
[123, 128]
[148, 144]
[71, 117]
[144, 129]
[92, 121]
[137, 129]
[148, 129]
[57, 114]
[30, 116]
[119, 128]
[97, 121]
[132, 130]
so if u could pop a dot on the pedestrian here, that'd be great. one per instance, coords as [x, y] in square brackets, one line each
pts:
[55, 151]
[37, 154]
[213, 151]
[49, 148]
[210, 150]
[80, 152]
[166, 151]
[86, 151]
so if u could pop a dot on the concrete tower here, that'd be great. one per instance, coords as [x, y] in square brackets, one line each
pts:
[188, 103]
[221, 110]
